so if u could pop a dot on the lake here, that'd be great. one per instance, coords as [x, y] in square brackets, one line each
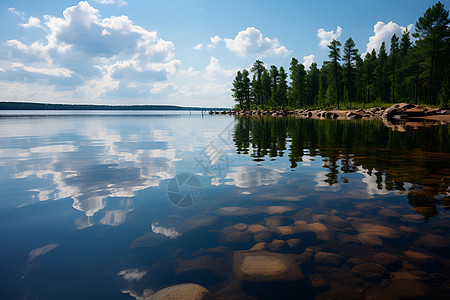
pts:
[120, 205]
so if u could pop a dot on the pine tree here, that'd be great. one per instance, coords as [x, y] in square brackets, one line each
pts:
[433, 33]
[349, 58]
[335, 55]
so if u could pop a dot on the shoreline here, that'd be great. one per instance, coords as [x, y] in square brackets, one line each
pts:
[397, 113]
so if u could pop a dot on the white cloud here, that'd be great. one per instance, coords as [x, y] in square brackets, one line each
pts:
[214, 68]
[32, 22]
[17, 12]
[214, 41]
[308, 60]
[383, 33]
[198, 47]
[58, 72]
[159, 87]
[326, 37]
[117, 2]
[93, 56]
[250, 42]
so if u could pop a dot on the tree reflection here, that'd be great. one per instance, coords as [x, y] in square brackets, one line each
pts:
[420, 157]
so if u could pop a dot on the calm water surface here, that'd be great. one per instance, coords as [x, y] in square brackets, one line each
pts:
[120, 205]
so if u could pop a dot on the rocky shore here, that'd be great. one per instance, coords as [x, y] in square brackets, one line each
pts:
[396, 112]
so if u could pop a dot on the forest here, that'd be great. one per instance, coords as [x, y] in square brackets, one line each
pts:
[415, 69]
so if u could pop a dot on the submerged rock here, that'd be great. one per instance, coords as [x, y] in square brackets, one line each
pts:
[327, 259]
[256, 228]
[390, 261]
[269, 275]
[322, 232]
[423, 261]
[260, 246]
[433, 241]
[378, 230]
[279, 246]
[264, 266]
[231, 235]
[410, 289]
[318, 281]
[369, 239]
[183, 291]
[241, 226]
[277, 221]
[369, 271]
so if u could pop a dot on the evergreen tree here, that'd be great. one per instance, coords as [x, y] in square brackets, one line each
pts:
[298, 84]
[258, 70]
[349, 59]
[393, 59]
[275, 78]
[246, 91]
[433, 33]
[238, 89]
[335, 56]
[313, 83]
[282, 88]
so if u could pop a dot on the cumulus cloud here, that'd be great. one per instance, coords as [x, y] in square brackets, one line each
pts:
[326, 37]
[32, 22]
[198, 47]
[214, 41]
[92, 56]
[117, 2]
[17, 12]
[214, 68]
[308, 60]
[383, 33]
[250, 42]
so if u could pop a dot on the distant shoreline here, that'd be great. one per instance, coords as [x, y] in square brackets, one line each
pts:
[49, 106]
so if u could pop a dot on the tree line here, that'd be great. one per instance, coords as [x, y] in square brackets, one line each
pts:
[410, 70]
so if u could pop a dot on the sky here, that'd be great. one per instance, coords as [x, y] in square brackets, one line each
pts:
[175, 52]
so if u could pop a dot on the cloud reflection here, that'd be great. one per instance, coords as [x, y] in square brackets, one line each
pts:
[41, 251]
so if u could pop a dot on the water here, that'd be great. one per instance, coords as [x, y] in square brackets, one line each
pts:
[122, 204]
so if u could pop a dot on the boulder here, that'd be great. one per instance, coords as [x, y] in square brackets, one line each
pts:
[369, 239]
[241, 226]
[318, 281]
[295, 244]
[423, 261]
[265, 266]
[433, 241]
[327, 259]
[231, 235]
[378, 230]
[370, 271]
[264, 236]
[389, 261]
[388, 212]
[260, 246]
[279, 246]
[269, 275]
[277, 221]
[321, 231]
[256, 228]
[410, 289]
[183, 291]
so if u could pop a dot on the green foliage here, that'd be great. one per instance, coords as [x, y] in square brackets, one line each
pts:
[416, 72]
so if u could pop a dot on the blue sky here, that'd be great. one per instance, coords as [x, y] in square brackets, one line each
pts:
[174, 52]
